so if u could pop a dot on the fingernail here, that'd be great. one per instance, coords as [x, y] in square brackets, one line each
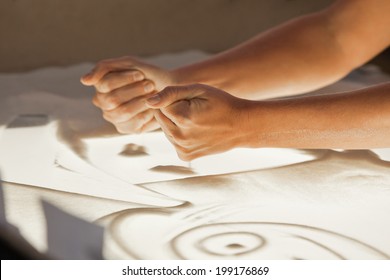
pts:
[149, 87]
[138, 76]
[82, 80]
[85, 77]
[154, 99]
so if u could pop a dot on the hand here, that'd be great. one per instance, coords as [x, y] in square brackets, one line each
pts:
[122, 85]
[198, 119]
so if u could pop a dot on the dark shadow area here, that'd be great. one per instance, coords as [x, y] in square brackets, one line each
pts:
[69, 137]
[382, 60]
[16, 248]
[173, 169]
[29, 120]
[133, 150]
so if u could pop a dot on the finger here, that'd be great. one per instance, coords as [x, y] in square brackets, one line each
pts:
[189, 153]
[142, 119]
[170, 95]
[197, 150]
[166, 125]
[150, 126]
[126, 111]
[105, 66]
[114, 99]
[95, 100]
[178, 112]
[164, 122]
[135, 124]
[189, 156]
[115, 80]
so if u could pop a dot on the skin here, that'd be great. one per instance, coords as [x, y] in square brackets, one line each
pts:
[299, 56]
[122, 86]
[353, 120]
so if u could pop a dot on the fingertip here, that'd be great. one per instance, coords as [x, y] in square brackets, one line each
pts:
[150, 106]
[86, 80]
[153, 101]
[91, 78]
[138, 76]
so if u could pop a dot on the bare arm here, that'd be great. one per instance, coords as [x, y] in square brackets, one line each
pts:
[296, 57]
[352, 120]
[301, 55]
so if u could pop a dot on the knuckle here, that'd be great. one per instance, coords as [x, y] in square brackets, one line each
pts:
[123, 129]
[184, 139]
[180, 149]
[181, 139]
[95, 101]
[112, 101]
[148, 87]
[134, 76]
[117, 115]
[137, 130]
[136, 125]
[184, 142]
[103, 87]
[181, 156]
[120, 130]
[107, 117]
[138, 118]
[141, 117]
[108, 83]
[184, 156]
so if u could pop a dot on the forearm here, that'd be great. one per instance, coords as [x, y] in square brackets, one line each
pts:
[298, 56]
[354, 120]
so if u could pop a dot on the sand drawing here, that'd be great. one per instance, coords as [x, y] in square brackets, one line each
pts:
[174, 169]
[269, 240]
[133, 150]
[93, 160]
[54, 156]
[214, 233]
[152, 158]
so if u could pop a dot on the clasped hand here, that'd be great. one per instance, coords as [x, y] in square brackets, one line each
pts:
[136, 97]
[198, 120]
[122, 85]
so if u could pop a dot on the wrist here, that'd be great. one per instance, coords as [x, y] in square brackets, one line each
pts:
[262, 124]
[194, 74]
[250, 124]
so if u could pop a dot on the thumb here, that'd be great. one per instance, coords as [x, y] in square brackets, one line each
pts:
[92, 77]
[172, 94]
[105, 66]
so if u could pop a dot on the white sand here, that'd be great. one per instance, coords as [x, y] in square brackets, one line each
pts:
[334, 206]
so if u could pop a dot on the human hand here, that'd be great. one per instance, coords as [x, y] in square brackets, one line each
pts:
[199, 120]
[122, 85]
